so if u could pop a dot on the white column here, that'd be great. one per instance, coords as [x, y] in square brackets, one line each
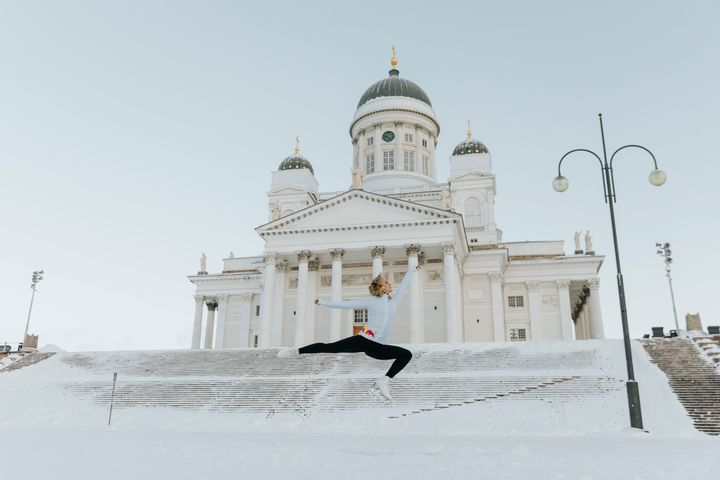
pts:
[281, 269]
[535, 303]
[416, 327]
[498, 306]
[197, 326]
[301, 302]
[335, 313]
[377, 254]
[459, 299]
[245, 314]
[579, 333]
[399, 139]
[418, 150]
[310, 307]
[356, 154]
[584, 323]
[223, 301]
[210, 329]
[449, 275]
[596, 323]
[565, 313]
[266, 309]
[377, 147]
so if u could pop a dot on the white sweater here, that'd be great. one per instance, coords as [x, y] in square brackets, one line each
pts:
[381, 310]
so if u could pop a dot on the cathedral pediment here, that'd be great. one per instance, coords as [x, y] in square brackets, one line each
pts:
[359, 208]
[288, 190]
[471, 176]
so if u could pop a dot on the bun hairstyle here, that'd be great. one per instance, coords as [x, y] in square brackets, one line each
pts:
[376, 285]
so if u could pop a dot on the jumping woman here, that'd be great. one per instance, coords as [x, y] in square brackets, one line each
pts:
[381, 307]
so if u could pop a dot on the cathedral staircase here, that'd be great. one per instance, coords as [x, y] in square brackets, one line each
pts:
[484, 388]
[693, 378]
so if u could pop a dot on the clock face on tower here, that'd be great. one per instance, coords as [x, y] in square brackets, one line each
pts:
[388, 136]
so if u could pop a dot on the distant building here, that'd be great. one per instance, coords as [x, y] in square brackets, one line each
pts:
[473, 287]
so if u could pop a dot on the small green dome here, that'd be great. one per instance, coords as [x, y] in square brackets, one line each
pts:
[394, 86]
[296, 161]
[470, 146]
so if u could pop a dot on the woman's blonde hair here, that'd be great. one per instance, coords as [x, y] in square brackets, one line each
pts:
[376, 285]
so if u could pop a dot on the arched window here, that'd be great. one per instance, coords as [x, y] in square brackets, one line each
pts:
[472, 212]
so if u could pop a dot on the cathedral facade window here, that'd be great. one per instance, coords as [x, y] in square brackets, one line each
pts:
[370, 141]
[389, 160]
[425, 160]
[370, 161]
[409, 157]
[409, 137]
[516, 301]
[473, 212]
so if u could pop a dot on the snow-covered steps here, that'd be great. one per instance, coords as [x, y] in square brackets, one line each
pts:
[694, 380]
[490, 388]
[15, 361]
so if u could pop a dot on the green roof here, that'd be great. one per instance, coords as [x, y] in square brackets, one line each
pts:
[296, 161]
[394, 86]
[470, 146]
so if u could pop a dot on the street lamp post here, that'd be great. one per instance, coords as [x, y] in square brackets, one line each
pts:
[664, 251]
[657, 178]
[37, 276]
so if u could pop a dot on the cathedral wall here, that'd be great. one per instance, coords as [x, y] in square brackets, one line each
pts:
[517, 317]
[549, 327]
[434, 309]
[477, 309]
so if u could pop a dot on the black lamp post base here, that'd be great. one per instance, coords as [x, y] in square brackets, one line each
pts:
[633, 393]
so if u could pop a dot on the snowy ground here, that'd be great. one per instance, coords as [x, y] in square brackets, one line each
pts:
[45, 432]
[199, 455]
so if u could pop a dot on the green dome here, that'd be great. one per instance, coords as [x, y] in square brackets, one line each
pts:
[296, 161]
[394, 86]
[470, 146]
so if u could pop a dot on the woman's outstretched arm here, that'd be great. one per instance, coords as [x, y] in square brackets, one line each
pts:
[405, 282]
[357, 303]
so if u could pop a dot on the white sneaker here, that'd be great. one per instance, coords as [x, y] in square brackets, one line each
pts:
[288, 352]
[383, 385]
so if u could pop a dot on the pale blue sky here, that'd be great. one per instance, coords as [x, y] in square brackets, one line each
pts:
[135, 135]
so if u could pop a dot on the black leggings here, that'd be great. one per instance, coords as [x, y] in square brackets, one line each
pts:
[372, 349]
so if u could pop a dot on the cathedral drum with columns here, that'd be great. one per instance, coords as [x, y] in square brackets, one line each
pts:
[474, 287]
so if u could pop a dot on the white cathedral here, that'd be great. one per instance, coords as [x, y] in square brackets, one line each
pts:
[474, 286]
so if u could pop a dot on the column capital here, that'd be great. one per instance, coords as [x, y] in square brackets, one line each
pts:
[496, 277]
[282, 265]
[377, 251]
[593, 283]
[303, 255]
[337, 253]
[412, 249]
[533, 285]
[314, 264]
[211, 303]
[448, 247]
[199, 298]
[563, 283]
[270, 257]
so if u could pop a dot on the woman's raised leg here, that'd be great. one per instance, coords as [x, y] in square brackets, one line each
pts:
[346, 345]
